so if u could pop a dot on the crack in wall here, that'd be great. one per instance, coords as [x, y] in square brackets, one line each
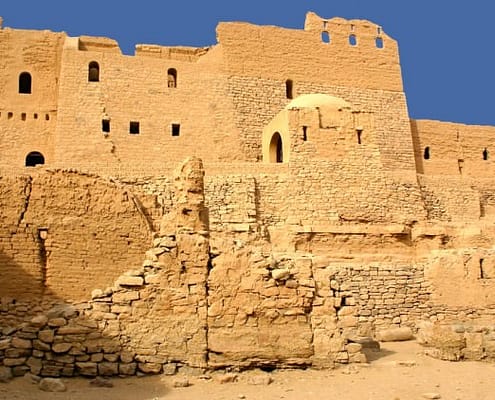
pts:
[27, 193]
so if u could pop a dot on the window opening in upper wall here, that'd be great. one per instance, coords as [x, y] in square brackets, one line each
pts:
[134, 127]
[34, 158]
[485, 154]
[305, 133]
[426, 153]
[352, 40]
[325, 37]
[379, 43]
[105, 125]
[93, 72]
[172, 78]
[175, 129]
[23, 116]
[25, 83]
[288, 89]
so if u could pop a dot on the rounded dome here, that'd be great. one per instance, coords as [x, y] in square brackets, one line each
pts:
[317, 100]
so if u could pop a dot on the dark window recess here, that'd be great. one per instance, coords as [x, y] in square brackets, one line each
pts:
[105, 125]
[359, 133]
[172, 78]
[288, 89]
[10, 115]
[25, 83]
[485, 154]
[352, 40]
[305, 133]
[34, 158]
[134, 128]
[426, 153]
[23, 116]
[325, 37]
[482, 273]
[47, 117]
[93, 72]
[35, 116]
[379, 42]
[175, 129]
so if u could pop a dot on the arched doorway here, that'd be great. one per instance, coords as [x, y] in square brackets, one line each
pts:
[34, 158]
[276, 149]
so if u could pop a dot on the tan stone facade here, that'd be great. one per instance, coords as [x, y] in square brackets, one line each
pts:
[312, 214]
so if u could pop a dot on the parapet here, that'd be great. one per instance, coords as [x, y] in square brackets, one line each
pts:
[179, 53]
[102, 44]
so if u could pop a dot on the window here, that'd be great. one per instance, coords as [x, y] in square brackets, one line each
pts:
[34, 158]
[485, 154]
[325, 37]
[172, 78]
[175, 129]
[93, 72]
[23, 116]
[359, 133]
[379, 42]
[25, 83]
[276, 149]
[288, 89]
[426, 153]
[105, 125]
[134, 128]
[305, 133]
[352, 40]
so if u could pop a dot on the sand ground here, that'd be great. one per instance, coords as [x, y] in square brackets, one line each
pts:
[400, 371]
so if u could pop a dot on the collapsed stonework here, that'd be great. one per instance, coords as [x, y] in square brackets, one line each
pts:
[313, 216]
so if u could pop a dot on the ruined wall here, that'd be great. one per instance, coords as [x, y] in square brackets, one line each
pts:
[64, 233]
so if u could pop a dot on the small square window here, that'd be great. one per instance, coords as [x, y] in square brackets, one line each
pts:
[105, 125]
[175, 129]
[134, 128]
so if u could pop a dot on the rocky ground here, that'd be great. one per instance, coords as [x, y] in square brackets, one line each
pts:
[400, 371]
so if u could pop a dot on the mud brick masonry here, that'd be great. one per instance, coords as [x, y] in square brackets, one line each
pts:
[266, 201]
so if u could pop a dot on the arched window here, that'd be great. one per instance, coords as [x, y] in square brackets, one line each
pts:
[485, 154]
[426, 153]
[34, 158]
[379, 42]
[25, 83]
[172, 78]
[93, 72]
[276, 149]
[352, 40]
[288, 89]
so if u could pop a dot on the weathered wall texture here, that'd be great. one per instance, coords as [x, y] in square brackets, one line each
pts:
[319, 215]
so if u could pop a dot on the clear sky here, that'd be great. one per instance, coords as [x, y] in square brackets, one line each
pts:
[446, 46]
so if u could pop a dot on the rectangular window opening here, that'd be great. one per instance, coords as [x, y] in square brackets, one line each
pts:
[105, 125]
[305, 133]
[175, 129]
[23, 116]
[134, 128]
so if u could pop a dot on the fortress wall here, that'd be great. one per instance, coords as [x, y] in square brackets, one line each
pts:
[258, 100]
[94, 231]
[136, 89]
[27, 121]
[274, 53]
[453, 148]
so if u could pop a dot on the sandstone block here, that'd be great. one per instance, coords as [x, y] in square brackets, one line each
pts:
[20, 370]
[4, 344]
[21, 343]
[126, 357]
[395, 334]
[101, 382]
[150, 368]
[181, 382]
[55, 322]
[127, 368]
[61, 347]
[130, 281]
[125, 297]
[34, 365]
[5, 374]
[260, 380]
[52, 385]
[87, 368]
[108, 368]
[39, 321]
[280, 274]
[46, 335]
[12, 362]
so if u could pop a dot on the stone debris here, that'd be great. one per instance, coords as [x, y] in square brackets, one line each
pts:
[52, 385]
[227, 378]
[395, 334]
[181, 382]
[431, 396]
[101, 382]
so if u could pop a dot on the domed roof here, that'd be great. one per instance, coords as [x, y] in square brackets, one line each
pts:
[317, 100]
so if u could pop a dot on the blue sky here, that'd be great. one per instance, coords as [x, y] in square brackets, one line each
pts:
[446, 47]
